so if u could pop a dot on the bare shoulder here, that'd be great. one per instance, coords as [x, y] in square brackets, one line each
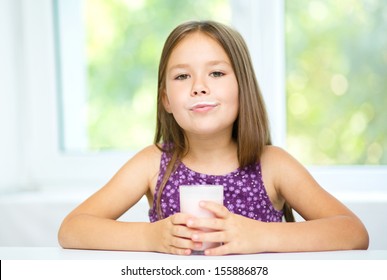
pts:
[274, 153]
[138, 172]
[275, 164]
[282, 169]
[149, 153]
[146, 161]
[294, 184]
[277, 161]
[278, 158]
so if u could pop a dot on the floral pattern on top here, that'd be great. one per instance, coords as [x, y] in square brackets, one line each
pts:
[244, 191]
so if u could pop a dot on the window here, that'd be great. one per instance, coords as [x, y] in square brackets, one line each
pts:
[108, 61]
[59, 151]
[336, 56]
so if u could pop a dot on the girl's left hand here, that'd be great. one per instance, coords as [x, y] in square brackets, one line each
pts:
[230, 229]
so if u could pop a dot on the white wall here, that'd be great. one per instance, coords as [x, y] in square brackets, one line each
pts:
[33, 218]
[11, 149]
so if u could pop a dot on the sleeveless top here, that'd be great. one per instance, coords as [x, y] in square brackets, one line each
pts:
[244, 191]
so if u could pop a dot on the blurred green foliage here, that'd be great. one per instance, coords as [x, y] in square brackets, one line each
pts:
[336, 74]
[337, 81]
[124, 43]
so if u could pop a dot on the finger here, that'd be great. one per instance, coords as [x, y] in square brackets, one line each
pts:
[182, 231]
[216, 237]
[180, 218]
[183, 243]
[218, 251]
[180, 251]
[219, 210]
[212, 224]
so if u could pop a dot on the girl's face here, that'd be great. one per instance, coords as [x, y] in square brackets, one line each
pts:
[201, 87]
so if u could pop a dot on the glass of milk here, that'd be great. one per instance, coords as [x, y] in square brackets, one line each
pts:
[190, 197]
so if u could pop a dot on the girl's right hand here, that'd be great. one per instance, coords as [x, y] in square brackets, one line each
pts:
[172, 236]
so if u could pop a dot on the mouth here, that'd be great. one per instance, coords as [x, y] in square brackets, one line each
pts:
[203, 106]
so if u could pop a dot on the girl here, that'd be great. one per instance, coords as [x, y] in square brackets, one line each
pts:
[212, 128]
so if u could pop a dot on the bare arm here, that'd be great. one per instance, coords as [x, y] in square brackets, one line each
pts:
[93, 225]
[329, 224]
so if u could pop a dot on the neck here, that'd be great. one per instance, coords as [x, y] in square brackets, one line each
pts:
[212, 155]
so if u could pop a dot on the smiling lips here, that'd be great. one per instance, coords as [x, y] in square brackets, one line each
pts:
[203, 106]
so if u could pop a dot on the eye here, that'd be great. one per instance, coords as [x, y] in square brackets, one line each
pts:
[182, 77]
[217, 74]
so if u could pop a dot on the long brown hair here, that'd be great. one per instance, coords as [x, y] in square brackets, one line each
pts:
[251, 128]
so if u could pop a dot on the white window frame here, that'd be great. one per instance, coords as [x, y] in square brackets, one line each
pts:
[47, 166]
[263, 26]
[70, 55]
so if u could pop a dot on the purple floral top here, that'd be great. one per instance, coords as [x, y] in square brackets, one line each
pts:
[244, 191]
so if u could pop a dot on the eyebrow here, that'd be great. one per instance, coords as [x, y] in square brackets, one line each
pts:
[209, 63]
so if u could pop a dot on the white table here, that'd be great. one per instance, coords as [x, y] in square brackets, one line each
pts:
[43, 263]
[57, 253]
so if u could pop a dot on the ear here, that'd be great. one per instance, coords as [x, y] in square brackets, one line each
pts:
[165, 101]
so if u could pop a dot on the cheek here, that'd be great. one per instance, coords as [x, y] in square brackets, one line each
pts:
[176, 92]
[234, 97]
[170, 97]
[166, 103]
[236, 108]
[233, 89]
[235, 105]
[173, 103]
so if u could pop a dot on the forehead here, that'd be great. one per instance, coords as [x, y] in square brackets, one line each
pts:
[197, 47]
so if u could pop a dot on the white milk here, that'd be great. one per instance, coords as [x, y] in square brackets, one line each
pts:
[190, 197]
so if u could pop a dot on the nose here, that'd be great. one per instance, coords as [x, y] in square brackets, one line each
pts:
[197, 92]
[199, 88]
